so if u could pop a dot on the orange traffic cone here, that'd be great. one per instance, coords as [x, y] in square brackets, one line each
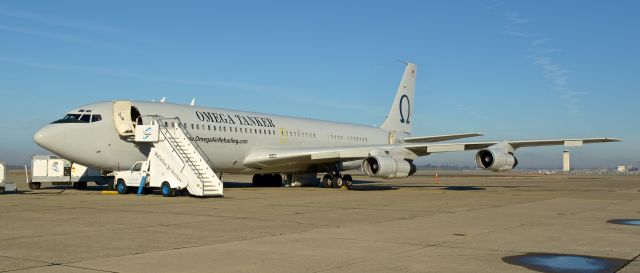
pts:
[437, 179]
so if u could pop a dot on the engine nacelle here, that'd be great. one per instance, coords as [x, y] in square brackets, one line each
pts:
[495, 160]
[387, 167]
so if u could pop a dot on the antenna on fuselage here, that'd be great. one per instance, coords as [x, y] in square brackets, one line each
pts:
[193, 102]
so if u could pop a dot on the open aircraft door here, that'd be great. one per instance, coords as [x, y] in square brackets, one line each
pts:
[122, 118]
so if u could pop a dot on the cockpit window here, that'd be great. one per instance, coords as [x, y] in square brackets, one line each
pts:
[85, 118]
[79, 118]
[72, 116]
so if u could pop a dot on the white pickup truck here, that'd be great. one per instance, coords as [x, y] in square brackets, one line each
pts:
[157, 173]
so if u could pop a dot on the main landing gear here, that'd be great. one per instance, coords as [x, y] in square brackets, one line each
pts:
[267, 180]
[337, 181]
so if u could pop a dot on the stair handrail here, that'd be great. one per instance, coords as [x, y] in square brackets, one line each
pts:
[198, 148]
[166, 132]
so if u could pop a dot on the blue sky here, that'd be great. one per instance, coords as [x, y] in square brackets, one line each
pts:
[511, 70]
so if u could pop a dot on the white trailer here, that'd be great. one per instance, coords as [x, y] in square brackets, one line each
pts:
[59, 171]
[4, 184]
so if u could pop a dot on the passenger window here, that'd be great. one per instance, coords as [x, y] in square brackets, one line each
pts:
[85, 118]
[136, 167]
[96, 118]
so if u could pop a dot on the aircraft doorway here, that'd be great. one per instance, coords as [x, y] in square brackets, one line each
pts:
[125, 117]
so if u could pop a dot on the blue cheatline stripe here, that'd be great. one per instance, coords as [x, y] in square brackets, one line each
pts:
[142, 182]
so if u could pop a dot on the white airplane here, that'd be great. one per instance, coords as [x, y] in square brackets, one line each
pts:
[267, 146]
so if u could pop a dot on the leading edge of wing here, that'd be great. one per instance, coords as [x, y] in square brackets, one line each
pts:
[427, 148]
[427, 139]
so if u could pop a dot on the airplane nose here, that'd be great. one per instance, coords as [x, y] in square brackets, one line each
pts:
[44, 137]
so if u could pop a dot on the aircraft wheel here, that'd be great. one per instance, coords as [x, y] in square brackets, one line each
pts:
[167, 191]
[337, 182]
[121, 187]
[347, 181]
[276, 180]
[257, 180]
[326, 181]
[34, 185]
[266, 180]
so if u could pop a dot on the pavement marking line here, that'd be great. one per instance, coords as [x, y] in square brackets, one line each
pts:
[109, 192]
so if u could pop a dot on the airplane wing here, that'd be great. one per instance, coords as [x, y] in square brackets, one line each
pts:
[274, 157]
[421, 149]
[426, 139]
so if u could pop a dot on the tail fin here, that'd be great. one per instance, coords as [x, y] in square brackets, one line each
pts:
[399, 117]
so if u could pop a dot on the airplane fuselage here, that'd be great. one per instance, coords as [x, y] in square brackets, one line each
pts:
[226, 136]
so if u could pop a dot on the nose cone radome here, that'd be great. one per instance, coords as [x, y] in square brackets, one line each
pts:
[47, 137]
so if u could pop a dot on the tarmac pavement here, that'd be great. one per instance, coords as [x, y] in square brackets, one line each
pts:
[461, 224]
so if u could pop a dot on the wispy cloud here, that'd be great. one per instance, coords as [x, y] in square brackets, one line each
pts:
[56, 21]
[128, 74]
[290, 93]
[542, 56]
[60, 29]
[59, 37]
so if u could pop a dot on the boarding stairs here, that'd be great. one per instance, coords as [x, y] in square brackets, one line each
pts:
[195, 170]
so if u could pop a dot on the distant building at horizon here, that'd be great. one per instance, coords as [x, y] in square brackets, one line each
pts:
[566, 164]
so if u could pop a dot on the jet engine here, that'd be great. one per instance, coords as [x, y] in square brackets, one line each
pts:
[387, 167]
[495, 160]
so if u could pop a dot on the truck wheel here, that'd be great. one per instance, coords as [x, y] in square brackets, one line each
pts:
[81, 185]
[167, 191]
[34, 185]
[122, 187]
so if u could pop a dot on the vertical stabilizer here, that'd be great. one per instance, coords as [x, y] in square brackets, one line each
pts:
[399, 117]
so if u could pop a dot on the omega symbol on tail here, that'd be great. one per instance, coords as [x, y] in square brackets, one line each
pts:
[408, 104]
